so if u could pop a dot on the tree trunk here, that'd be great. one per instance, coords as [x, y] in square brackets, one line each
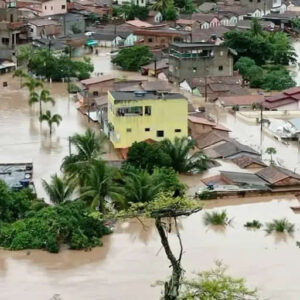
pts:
[171, 291]
[40, 101]
[50, 129]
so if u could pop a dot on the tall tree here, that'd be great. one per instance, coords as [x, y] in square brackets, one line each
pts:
[271, 151]
[88, 147]
[100, 185]
[59, 189]
[182, 160]
[39, 97]
[51, 119]
[32, 84]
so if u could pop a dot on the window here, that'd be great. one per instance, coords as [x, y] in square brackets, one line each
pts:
[220, 68]
[45, 7]
[147, 129]
[95, 93]
[51, 7]
[148, 110]
[63, 7]
[130, 111]
[11, 18]
[150, 40]
[177, 130]
[250, 0]
[194, 70]
[258, 1]
[128, 130]
[5, 41]
[160, 133]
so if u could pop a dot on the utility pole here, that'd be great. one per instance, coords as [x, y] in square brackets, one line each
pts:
[261, 129]
[155, 74]
[69, 139]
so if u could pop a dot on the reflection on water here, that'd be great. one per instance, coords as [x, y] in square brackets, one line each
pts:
[132, 259]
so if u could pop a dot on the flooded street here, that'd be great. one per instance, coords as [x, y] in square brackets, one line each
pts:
[132, 260]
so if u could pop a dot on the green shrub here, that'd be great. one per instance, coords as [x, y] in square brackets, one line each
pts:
[52, 244]
[253, 224]
[282, 225]
[216, 218]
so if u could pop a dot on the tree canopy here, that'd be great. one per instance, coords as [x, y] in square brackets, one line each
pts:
[132, 58]
[132, 11]
[261, 46]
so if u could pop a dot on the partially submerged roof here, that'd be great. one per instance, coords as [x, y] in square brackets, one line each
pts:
[157, 85]
[285, 97]
[245, 161]
[42, 22]
[230, 148]
[273, 174]
[240, 178]
[209, 139]
[241, 100]
[138, 23]
[160, 64]
[96, 80]
[143, 95]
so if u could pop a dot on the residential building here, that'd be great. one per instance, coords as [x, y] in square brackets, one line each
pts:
[110, 40]
[43, 28]
[265, 6]
[198, 126]
[249, 162]
[286, 100]
[160, 38]
[154, 17]
[192, 60]
[12, 30]
[154, 68]
[136, 2]
[94, 87]
[45, 8]
[242, 101]
[141, 116]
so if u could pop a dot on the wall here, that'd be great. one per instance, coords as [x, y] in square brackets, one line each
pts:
[130, 40]
[157, 41]
[101, 87]
[166, 115]
[198, 129]
[189, 68]
[53, 7]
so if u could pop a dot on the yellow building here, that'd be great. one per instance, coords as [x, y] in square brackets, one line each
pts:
[140, 116]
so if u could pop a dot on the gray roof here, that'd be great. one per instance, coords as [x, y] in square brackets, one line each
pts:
[240, 178]
[105, 36]
[140, 95]
[14, 174]
[296, 123]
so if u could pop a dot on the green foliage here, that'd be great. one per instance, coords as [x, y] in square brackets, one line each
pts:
[270, 77]
[24, 53]
[17, 204]
[50, 119]
[161, 5]
[181, 160]
[73, 88]
[296, 23]
[132, 11]
[271, 151]
[187, 6]
[132, 58]
[282, 225]
[59, 189]
[216, 218]
[261, 46]
[92, 18]
[147, 156]
[253, 224]
[169, 13]
[76, 29]
[44, 63]
[88, 147]
[52, 226]
[215, 284]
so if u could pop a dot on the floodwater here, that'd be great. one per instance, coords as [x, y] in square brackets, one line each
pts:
[131, 260]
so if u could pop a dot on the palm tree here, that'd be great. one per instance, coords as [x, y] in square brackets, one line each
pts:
[271, 151]
[89, 146]
[50, 119]
[59, 190]
[99, 185]
[181, 159]
[161, 5]
[32, 84]
[20, 73]
[39, 97]
[140, 186]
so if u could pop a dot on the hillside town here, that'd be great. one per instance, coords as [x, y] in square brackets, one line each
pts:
[149, 149]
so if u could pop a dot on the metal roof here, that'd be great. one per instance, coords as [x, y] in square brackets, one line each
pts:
[141, 95]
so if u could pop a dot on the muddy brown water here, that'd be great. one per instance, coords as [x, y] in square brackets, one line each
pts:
[131, 260]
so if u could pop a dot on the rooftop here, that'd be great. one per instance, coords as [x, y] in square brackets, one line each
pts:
[244, 161]
[243, 178]
[96, 80]
[241, 100]
[141, 95]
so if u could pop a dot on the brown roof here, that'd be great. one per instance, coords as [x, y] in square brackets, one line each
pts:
[185, 22]
[138, 23]
[200, 120]
[211, 138]
[273, 174]
[95, 80]
[241, 100]
[157, 85]
[160, 32]
[203, 17]
[244, 161]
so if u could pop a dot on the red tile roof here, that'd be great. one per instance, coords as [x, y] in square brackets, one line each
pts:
[285, 97]
[199, 120]
[97, 79]
[241, 100]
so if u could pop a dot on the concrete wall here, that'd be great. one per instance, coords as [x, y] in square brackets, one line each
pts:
[53, 7]
[188, 68]
[100, 88]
